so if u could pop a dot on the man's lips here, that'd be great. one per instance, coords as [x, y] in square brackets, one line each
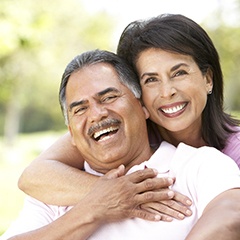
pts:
[173, 109]
[98, 134]
[104, 128]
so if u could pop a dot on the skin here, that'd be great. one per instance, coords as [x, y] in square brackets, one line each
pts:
[81, 118]
[90, 107]
[102, 101]
[175, 94]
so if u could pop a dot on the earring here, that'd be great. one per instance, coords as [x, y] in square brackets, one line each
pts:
[210, 92]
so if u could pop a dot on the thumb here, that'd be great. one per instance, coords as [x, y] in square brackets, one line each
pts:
[115, 173]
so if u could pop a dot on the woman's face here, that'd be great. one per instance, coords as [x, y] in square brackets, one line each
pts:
[174, 89]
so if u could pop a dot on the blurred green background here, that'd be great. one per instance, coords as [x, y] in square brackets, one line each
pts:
[37, 40]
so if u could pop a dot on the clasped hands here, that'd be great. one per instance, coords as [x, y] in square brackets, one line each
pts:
[141, 194]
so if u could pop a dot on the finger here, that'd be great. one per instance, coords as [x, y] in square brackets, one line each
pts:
[174, 209]
[142, 175]
[153, 209]
[146, 215]
[115, 173]
[152, 196]
[155, 184]
[182, 199]
[167, 214]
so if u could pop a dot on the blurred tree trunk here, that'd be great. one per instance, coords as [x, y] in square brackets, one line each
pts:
[12, 119]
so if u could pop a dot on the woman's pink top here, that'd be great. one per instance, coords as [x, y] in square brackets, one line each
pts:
[232, 148]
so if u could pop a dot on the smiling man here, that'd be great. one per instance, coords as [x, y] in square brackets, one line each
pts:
[106, 120]
[99, 96]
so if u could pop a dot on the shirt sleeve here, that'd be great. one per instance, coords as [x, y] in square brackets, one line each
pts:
[216, 174]
[232, 148]
[34, 215]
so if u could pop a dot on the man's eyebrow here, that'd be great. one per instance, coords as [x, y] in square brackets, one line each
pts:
[107, 90]
[99, 94]
[77, 103]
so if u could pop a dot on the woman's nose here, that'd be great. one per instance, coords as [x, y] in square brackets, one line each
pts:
[167, 90]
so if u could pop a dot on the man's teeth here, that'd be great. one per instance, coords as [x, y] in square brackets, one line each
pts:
[173, 109]
[110, 129]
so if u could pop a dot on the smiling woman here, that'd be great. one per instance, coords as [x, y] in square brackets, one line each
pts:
[181, 79]
[179, 68]
[174, 91]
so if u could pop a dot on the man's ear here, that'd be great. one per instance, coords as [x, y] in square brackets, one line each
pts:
[146, 113]
[72, 138]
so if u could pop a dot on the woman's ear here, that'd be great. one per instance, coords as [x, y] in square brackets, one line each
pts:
[146, 113]
[209, 80]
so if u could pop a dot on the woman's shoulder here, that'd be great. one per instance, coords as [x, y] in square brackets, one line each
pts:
[232, 148]
[234, 138]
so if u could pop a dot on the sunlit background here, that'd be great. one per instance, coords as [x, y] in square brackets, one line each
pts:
[38, 39]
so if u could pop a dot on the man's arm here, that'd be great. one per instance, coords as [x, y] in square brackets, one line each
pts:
[220, 219]
[107, 202]
[62, 182]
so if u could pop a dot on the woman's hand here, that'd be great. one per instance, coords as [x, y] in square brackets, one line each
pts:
[177, 207]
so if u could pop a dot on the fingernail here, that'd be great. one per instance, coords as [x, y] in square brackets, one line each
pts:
[189, 202]
[188, 212]
[170, 180]
[171, 194]
[180, 215]
[157, 217]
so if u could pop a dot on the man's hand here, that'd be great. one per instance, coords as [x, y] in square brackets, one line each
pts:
[116, 196]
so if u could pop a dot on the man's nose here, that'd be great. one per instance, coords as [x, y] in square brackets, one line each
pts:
[97, 112]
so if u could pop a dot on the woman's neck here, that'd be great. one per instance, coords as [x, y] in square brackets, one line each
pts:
[191, 138]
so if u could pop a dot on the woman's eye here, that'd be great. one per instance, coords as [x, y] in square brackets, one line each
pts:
[149, 80]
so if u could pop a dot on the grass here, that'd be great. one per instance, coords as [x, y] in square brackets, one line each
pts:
[13, 159]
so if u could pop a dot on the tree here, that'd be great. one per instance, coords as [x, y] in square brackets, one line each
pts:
[37, 40]
[223, 27]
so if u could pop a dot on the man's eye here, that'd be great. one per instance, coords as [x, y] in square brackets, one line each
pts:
[180, 73]
[79, 111]
[109, 98]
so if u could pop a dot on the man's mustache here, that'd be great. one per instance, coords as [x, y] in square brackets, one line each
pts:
[103, 124]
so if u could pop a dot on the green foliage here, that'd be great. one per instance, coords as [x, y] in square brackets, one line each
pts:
[38, 39]
[226, 39]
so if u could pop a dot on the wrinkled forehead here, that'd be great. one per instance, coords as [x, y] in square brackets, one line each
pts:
[93, 79]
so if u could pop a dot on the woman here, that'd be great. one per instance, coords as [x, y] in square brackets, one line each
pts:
[146, 46]
[181, 78]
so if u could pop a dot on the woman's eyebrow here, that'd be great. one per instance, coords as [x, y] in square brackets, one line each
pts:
[175, 67]
[148, 74]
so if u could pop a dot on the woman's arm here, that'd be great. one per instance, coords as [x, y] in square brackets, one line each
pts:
[220, 219]
[55, 176]
[109, 201]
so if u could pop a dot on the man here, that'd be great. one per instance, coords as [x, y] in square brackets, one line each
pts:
[99, 96]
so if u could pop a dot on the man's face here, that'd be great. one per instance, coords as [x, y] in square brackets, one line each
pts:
[106, 121]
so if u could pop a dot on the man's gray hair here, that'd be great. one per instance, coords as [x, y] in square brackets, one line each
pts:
[126, 75]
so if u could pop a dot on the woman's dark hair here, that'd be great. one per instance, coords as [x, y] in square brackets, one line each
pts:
[177, 33]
